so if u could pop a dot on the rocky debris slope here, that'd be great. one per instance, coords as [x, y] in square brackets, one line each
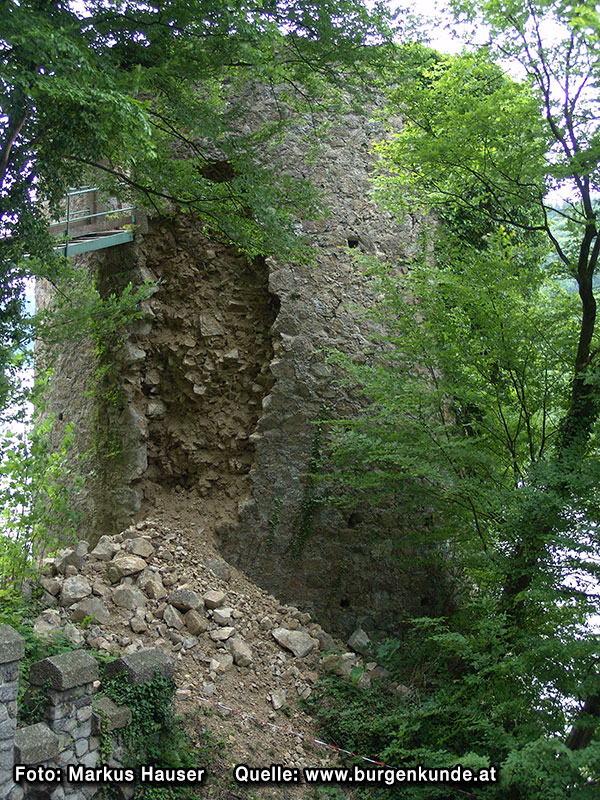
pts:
[232, 642]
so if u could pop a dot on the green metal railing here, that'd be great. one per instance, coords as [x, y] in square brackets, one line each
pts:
[84, 242]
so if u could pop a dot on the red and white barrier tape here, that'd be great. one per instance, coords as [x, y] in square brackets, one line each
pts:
[306, 737]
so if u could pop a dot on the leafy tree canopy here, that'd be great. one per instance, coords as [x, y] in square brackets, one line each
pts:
[126, 88]
[143, 98]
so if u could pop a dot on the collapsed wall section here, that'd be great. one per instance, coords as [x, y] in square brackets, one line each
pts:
[204, 367]
[162, 415]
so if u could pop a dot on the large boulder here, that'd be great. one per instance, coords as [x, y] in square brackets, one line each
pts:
[214, 598]
[240, 650]
[299, 643]
[185, 600]
[74, 589]
[71, 557]
[139, 547]
[196, 622]
[152, 585]
[105, 549]
[360, 642]
[221, 634]
[173, 618]
[90, 607]
[128, 597]
[124, 565]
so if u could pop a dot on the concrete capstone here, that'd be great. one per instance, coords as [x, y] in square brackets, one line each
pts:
[12, 644]
[35, 744]
[65, 671]
[142, 666]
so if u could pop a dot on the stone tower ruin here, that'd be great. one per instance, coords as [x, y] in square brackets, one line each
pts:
[223, 384]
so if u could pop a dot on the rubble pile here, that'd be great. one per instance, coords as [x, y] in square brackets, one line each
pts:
[231, 641]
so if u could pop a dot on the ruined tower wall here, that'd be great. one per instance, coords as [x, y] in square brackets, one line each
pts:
[226, 376]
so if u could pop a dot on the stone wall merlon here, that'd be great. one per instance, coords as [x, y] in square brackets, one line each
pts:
[12, 645]
[35, 744]
[108, 716]
[65, 671]
[141, 667]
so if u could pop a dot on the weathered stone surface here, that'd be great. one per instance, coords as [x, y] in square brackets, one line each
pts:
[108, 716]
[123, 565]
[214, 598]
[90, 607]
[195, 622]
[185, 600]
[100, 589]
[142, 666]
[219, 568]
[133, 353]
[71, 557]
[152, 585]
[364, 681]
[81, 748]
[102, 643]
[156, 408]
[240, 650]
[12, 645]
[278, 698]
[65, 670]
[173, 618]
[105, 549]
[138, 625]
[346, 663]
[74, 589]
[140, 547]
[45, 627]
[51, 585]
[74, 634]
[35, 743]
[325, 640]
[221, 634]
[299, 642]
[83, 714]
[222, 616]
[221, 662]
[128, 597]
[360, 642]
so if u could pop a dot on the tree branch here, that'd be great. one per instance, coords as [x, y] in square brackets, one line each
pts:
[12, 137]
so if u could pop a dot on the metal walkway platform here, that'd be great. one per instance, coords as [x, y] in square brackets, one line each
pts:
[96, 241]
[85, 228]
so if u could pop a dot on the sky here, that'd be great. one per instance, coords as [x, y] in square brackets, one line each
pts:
[442, 37]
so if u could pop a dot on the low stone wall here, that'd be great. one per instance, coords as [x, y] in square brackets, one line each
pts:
[11, 653]
[75, 716]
